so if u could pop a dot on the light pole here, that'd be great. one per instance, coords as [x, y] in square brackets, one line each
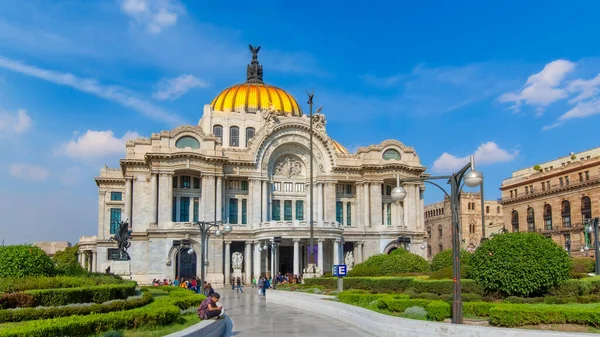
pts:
[204, 227]
[592, 227]
[273, 248]
[340, 280]
[311, 256]
[471, 178]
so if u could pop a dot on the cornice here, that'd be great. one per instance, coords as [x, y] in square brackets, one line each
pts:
[552, 191]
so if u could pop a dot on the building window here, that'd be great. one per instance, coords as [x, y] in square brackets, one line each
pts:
[567, 180]
[429, 232]
[547, 217]
[389, 215]
[116, 196]
[184, 209]
[586, 208]
[530, 220]
[218, 132]
[244, 185]
[587, 175]
[174, 210]
[543, 186]
[244, 211]
[339, 212]
[187, 141]
[515, 221]
[288, 187]
[526, 190]
[440, 231]
[348, 189]
[115, 255]
[234, 136]
[196, 209]
[249, 135]
[276, 211]
[115, 220]
[276, 187]
[196, 182]
[566, 213]
[299, 210]
[497, 209]
[560, 181]
[511, 194]
[287, 210]
[391, 155]
[185, 182]
[175, 180]
[233, 211]
[440, 248]
[487, 209]
[388, 190]
[580, 177]
[299, 187]
[348, 214]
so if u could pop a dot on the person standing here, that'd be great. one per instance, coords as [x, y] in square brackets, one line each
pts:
[239, 286]
[266, 285]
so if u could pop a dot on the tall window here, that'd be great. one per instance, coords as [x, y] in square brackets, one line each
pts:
[440, 232]
[276, 210]
[547, 217]
[530, 220]
[299, 209]
[185, 182]
[233, 211]
[487, 209]
[514, 219]
[339, 212]
[184, 209]
[586, 208]
[249, 135]
[566, 213]
[389, 214]
[115, 220]
[175, 180]
[116, 196]
[234, 136]
[498, 210]
[349, 214]
[428, 231]
[218, 132]
[287, 210]
[174, 210]
[244, 211]
[196, 182]
[196, 209]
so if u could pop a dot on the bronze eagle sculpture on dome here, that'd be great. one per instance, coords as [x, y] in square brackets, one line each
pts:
[122, 239]
[254, 51]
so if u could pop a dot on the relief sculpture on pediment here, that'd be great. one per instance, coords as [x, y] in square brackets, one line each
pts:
[288, 166]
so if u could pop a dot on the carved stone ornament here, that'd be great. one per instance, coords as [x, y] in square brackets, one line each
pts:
[236, 260]
[319, 122]
[349, 260]
[288, 167]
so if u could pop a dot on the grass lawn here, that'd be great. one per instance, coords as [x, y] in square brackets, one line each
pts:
[185, 321]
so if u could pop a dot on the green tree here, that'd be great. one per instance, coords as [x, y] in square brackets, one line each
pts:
[520, 264]
[24, 260]
[443, 259]
[66, 262]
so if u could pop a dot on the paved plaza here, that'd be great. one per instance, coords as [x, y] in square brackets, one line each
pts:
[252, 317]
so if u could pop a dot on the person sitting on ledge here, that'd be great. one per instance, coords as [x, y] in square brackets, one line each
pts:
[209, 309]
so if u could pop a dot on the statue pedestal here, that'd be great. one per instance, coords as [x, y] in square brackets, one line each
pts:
[311, 271]
[237, 273]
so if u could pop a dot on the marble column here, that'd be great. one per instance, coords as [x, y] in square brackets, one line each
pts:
[256, 202]
[153, 200]
[227, 262]
[367, 205]
[336, 252]
[320, 255]
[219, 197]
[165, 199]
[128, 199]
[359, 252]
[296, 256]
[248, 262]
[265, 201]
[376, 204]
[80, 258]
[385, 214]
[94, 261]
[320, 203]
[256, 260]
[101, 218]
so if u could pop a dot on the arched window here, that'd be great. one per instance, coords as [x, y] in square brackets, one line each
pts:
[530, 220]
[218, 132]
[487, 209]
[429, 231]
[187, 141]
[514, 219]
[547, 217]
[391, 154]
[440, 232]
[586, 208]
[566, 213]
[249, 134]
[440, 247]
[498, 210]
[234, 136]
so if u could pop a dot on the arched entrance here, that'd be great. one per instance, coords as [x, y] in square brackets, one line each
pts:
[185, 265]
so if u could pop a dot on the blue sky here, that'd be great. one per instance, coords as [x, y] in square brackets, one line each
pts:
[515, 83]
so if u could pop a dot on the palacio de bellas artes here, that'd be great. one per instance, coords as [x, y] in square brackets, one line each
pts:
[247, 165]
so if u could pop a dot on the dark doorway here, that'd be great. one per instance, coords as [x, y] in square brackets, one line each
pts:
[186, 264]
[286, 260]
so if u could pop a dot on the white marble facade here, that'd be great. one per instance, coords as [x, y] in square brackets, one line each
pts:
[175, 177]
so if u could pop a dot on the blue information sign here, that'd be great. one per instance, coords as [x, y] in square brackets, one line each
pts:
[339, 270]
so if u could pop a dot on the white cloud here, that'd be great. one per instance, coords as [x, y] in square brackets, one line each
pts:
[582, 110]
[174, 88]
[542, 89]
[95, 144]
[154, 15]
[486, 154]
[116, 94]
[551, 126]
[28, 172]
[18, 123]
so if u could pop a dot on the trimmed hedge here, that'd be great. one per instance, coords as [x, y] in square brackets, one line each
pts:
[583, 265]
[399, 261]
[446, 273]
[12, 284]
[27, 314]
[397, 285]
[523, 314]
[96, 294]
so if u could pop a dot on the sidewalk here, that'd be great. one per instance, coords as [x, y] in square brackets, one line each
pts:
[252, 317]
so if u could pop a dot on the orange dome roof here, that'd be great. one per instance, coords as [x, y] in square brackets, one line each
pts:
[253, 97]
[339, 148]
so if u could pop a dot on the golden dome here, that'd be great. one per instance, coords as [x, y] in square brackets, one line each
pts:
[339, 148]
[255, 95]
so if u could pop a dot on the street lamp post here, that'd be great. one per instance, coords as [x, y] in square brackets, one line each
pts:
[471, 178]
[273, 248]
[592, 227]
[340, 280]
[204, 227]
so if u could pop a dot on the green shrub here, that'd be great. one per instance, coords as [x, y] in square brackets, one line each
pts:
[479, 309]
[12, 284]
[95, 294]
[398, 285]
[113, 333]
[512, 315]
[399, 305]
[416, 312]
[520, 264]
[438, 310]
[443, 259]
[398, 262]
[583, 265]
[24, 260]
[446, 273]
[16, 300]
[66, 262]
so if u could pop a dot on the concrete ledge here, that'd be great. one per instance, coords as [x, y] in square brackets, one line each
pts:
[387, 326]
[208, 328]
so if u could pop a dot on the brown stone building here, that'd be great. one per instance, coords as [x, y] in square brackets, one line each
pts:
[52, 248]
[438, 222]
[554, 198]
